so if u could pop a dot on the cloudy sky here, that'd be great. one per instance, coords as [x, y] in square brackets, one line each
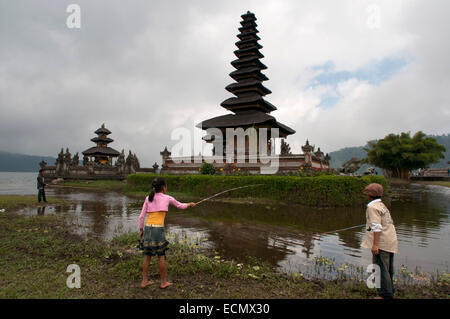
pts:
[341, 72]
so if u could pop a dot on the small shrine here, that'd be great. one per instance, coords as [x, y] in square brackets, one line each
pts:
[97, 162]
[101, 153]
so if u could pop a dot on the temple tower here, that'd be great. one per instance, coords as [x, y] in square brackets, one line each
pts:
[102, 153]
[248, 104]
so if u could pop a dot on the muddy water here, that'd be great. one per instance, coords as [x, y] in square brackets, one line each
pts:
[286, 236]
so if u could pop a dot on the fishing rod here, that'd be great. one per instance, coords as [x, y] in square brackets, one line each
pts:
[342, 229]
[228, 190]
[140, 245]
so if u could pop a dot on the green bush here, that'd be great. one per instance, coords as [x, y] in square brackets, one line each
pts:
[207, 169]
[327, 190]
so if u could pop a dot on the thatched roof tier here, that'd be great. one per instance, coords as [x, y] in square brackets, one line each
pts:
[247, 52]
[248, 16]
[251, 61]
[102, 131]
[248, 36]
[246, 23]
[247, 43]
[248, 73]
[102, 140]
[248, 101]
[248, 86]
[250, 27]
[245, 120]
[106, 151]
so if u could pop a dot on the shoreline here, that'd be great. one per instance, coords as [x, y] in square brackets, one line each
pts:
[436, 183]
[16, 202]
[112, 269]
[398, 181]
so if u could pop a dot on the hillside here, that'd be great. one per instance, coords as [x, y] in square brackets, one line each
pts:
[341, 156]
[11, 162]
[445, 141]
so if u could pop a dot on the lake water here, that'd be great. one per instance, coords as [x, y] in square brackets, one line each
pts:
[284, 235]
[18, 183]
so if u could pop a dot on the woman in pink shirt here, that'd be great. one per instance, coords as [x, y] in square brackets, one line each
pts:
[151, 228]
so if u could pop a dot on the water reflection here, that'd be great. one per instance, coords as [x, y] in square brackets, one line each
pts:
[283, 235]
[41, 211]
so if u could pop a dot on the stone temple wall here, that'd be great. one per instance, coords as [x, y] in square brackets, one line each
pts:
[287, 162]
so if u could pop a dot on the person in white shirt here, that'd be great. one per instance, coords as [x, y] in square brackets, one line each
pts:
[381, 238]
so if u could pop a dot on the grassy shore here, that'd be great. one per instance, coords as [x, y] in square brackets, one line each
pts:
[120, 186]
[113, 269]
[317, 191]
[14, 202]
[106, 185]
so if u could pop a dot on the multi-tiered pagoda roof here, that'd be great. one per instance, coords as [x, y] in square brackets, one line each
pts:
[248, 105]
[102, 151]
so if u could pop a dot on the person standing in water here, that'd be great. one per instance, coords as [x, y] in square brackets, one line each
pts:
[381, 239]
[41, 187]
[151, 229]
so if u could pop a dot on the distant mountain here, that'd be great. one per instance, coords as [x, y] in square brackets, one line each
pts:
[11, 162]
[445, 141]
[344, 154]
[341, 156]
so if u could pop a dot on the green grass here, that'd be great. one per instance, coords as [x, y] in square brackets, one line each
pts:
[37, 250]
[107, 185]
[321, 191]
[12, 202]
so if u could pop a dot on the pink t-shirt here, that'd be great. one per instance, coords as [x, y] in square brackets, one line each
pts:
[160, 203]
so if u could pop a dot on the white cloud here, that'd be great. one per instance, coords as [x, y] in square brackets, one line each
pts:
[145, 68]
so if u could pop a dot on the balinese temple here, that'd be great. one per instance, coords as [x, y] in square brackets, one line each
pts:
[102, 153]
[248, 108]
[97, 162]
[248, 105]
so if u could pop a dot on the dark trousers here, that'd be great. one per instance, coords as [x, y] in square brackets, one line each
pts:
[386, 262]
[41, 194]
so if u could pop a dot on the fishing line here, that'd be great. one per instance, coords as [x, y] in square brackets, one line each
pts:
[228, 190]
[342, 229]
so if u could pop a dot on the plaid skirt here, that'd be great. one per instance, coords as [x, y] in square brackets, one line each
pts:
[154, 241]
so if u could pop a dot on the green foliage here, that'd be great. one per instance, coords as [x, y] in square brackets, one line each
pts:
[12, 202]
[399, 154]
[327, 190]
[304, 172]
[444, 140]
[341, 156]
[207, 169]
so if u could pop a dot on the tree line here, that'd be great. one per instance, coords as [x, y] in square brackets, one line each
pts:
[399, 154]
